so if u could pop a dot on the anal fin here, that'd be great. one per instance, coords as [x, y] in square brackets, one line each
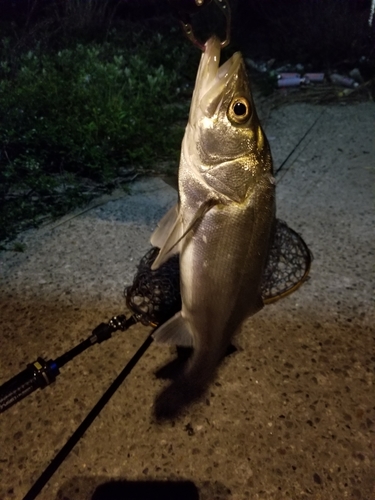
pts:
[175, 331]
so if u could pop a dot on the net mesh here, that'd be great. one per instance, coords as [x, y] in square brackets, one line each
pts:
[155, 295]
[287, 266]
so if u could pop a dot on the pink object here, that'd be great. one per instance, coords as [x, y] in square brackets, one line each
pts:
[314, 77]
[290, 82]
[289, 75]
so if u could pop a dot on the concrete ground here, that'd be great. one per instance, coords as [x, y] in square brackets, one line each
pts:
[292, 412]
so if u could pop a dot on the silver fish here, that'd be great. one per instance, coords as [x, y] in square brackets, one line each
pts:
[221, 225]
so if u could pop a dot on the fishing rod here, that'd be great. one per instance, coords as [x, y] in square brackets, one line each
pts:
[153, 298]
[40, 373]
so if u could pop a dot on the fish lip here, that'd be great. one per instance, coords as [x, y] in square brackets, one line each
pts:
[212, 78]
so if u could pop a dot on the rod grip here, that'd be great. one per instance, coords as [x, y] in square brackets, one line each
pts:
[37, 375]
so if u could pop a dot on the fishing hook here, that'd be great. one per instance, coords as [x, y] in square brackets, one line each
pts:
[183, 13]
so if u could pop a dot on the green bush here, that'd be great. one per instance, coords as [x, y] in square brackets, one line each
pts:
[87, 109]
[91, 111]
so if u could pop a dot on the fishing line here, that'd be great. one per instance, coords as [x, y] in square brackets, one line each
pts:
[82, 428]
[299, 142]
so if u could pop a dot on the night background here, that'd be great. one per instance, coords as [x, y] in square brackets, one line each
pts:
[93, 93]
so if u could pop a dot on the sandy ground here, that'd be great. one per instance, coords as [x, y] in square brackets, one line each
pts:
[291, 414]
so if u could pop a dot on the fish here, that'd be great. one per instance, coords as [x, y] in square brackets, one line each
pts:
[221, 226]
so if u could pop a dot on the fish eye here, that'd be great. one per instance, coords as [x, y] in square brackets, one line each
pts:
[239, 110]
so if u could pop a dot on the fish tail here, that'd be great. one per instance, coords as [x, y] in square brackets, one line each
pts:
[187, 388]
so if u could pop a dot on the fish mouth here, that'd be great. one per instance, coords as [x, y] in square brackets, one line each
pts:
[212, 79]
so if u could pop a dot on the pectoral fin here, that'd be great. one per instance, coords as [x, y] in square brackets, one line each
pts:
[199, 214]
[167, 236]
[175, 331]
[171, 238]
[165, 227]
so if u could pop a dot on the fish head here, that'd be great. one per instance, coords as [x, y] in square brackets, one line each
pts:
[224, 140]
